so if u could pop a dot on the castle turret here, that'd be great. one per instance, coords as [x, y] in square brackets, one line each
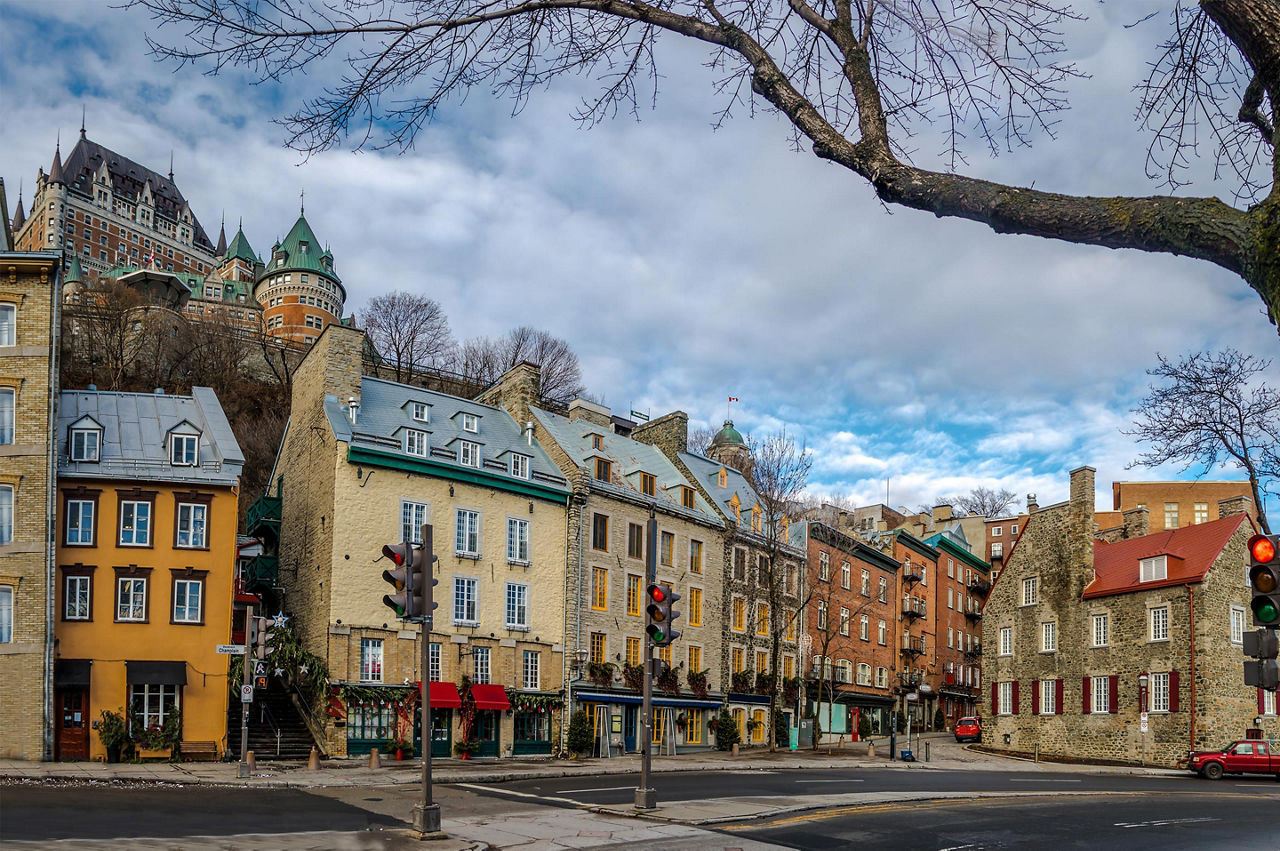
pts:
[729, 448]
[299, 289]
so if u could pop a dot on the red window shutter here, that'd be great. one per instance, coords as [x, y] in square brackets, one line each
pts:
[1015, 697]
[1035, 697]
[1113, 688]
[1173, 691]
[1084, 690]
[995, 696]
[1057, 693]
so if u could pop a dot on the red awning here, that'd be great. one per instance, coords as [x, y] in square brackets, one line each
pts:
[490, 697]
[444, 696]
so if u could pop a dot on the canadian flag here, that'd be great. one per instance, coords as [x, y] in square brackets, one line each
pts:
[733, 398]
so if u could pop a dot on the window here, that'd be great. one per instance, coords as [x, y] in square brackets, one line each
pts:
[997, 550]
[1100, 695]
[76, 598]
[1004, 692]
[695, 607]
[188, 595]
[788, 666]
[597, 442]
[131, 599]
[135, 524]
[433, 663]
[413, 516]
[415, 442]
[762, 661]
[8, 325]
[1153, 568]
[844, 620]
[1160, 623]
[722, 478]
[80, 522]
[647, 484]
[469, 454]
[1159, 692]
[1013, 530]
[1030, 591]
[464, 600]
[1237, 625]
[666, 549]
[633, 594]
[192, 526]
[517, 541]
[471, 423]
[633, 651]
[600, 589]
[762, 618]
[883, 596]
[686, 496]
[1006, 641]
[467, 533]
[600, 532]
[996, 531]
[739, 619]
[532, 678]
[881, 633]
[635, 540]
[1101, 630]
[694, 722]
[822, 614]
[480, 660]
[844, 575]
[1048, 637]
[824, 567]
[182, 450]
[517, 605]
[597, 647]
[695, 556]
[519, 465]
[950, 599]
[755, 519]
[6, 416]
[6, 614]
[603, 469]
[864, 628]
[1048, 697]
[866, 583]
[1202, 512]
[951, 638]
[882, 677]
[864, 674]
[1171, 515]
[737, 660]
[152, 704]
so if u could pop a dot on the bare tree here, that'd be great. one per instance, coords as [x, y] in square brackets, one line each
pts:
[407, 331]
[700, 438]
[1214, 410]
[855, 81]
[986, 502]
[485, 359]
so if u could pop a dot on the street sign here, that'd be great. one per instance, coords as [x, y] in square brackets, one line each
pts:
[230, 649]
[259, 669]
[259, 682]
[1143, 719]
[246, 694]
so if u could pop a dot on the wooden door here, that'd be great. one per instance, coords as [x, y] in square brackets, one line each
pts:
[71, 740]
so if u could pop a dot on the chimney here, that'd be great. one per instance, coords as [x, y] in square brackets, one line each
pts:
[1032, 505]
[1137, 522]
[353, 408]
[669, 433]
[528, 432]
[516, 391]
[1082, 488]
[1235, 505]
[941, 514]
[581, 409]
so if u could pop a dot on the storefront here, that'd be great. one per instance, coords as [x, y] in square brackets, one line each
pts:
[681, 724]
[532, 716]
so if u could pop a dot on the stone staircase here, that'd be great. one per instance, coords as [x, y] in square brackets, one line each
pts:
[276, 730]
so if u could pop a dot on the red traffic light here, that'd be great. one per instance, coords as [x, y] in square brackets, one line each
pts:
[1262, 549]
[398, 554]
[657, 593]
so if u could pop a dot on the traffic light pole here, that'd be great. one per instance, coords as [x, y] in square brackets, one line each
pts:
[243, 769]
[426, 816]
[646, 798]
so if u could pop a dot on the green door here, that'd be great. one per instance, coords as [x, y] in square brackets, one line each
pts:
[487, 732]
[441, 732]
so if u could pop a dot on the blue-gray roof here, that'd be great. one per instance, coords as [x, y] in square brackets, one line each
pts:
[135, 429]
[629, 458]
[386, 414]
[707, 472]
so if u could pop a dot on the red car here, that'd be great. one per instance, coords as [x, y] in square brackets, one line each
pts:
[1249, 756]
[968, 729]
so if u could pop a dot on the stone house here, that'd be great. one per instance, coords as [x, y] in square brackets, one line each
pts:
[29, 283]
[364, 463]
[1085, 635]
[617, 481]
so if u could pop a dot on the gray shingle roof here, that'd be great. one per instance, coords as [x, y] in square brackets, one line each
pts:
[707, 473]
[135, 429]
[386, 415]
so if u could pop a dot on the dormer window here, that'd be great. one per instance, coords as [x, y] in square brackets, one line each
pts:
[469, 454]
[755, 519]
[415, 442]
[471, 423]
[519, 465]
[686, 496]
[86, 444]
[647, 484]
[722, 478]
[1153, 569]
[597, 442]
[184, 450]
[419, 411]
[604, 469]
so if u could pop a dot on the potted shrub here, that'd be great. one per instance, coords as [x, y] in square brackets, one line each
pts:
[113, 733]
[727, 734]
[600, 673]
[698, 684]
[633, 676]
[464, 748]
[398, 745]
[668, 681]
[742, 681]
[579, 739]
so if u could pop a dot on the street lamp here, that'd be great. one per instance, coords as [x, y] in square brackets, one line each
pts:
[1142, 707]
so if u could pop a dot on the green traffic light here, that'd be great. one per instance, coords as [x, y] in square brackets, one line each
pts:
[1265, 610]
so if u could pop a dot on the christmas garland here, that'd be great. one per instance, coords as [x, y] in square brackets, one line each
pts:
[533, 702]
[368, 694]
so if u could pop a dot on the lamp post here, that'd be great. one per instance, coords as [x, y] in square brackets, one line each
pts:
[1142, 707]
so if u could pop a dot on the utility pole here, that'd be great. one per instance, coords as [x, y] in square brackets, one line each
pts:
[243, 769]
[646, 797]
[426, 816]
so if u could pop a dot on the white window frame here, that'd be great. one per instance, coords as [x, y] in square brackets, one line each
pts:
[184, 450]
[434, 662]
[1013, 529]
[881, 633]
[1100, 695]
[470, 423]
[77, 591]
[153, 702]
[466, 538]
[516, 606]
[1153, 569]
[1006, 641]
[1004, 697]
[6, 614]
[193, 526]
[1100, 627]
[419, 411]
[416, 443]
[482, 669]
[882, 677]
[844, 620]
[1201, 512]
[82, 453]
[997, 549]
[517, 540]
[413, 516]
[863, 674]
[1048, 697]
[531, 670]
[1158, 691]
[845, 575]
[469, 453]
[131, 604]
[140, 534]
[864, 627]
[1237, 625]
[8, 415]
[80, 533]
[466, 601]
[1030, 590]
[520, 465]
[8, 324]
[182, 591]
[1171, 513]
[371, 660]
[1049, 637]
[1158, 624]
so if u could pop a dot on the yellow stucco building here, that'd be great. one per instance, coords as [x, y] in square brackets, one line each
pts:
[146, 547]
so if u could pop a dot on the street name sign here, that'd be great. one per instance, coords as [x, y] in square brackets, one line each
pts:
[230, 649]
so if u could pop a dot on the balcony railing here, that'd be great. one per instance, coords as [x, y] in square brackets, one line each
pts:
[973, 652]
[912, 646]
[914, 607]
[912, 574]
[263, 516]
[262, 574]
[978, 585]
[974, 615]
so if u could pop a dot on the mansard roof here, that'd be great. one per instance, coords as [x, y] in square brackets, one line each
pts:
[1192, 550]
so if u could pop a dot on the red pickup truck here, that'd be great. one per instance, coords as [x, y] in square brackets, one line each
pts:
[1247, 756]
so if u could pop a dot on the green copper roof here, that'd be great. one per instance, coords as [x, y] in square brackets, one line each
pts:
[728, 435]
[301, 251]
[75, 273]
[239, 247]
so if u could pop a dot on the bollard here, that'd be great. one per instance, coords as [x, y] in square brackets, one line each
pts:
[926, 751]
[871, 749]
[1037, 752]
[313, 761]
[250, 761]
[375, 761]
[735, 748]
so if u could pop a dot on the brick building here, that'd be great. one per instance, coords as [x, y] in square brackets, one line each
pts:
[366, 462]
[1084, 634]
[29, 283]
[963, 580]
[299, 288]
[1174, 504]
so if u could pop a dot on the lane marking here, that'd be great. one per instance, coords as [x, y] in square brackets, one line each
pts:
[830, 781]
[1164, 822]
[598, 789]
[493, 790]
[1020, 780]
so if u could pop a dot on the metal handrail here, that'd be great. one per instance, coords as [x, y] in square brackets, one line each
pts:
[265, 716]
[308, 718]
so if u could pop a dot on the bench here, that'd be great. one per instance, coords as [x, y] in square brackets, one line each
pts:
[205, 751]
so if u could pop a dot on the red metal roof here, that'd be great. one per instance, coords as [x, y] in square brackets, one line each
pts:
[1192, 551]
[490, 696]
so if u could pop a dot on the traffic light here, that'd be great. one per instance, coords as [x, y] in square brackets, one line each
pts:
[1264, 646]
[1264, 580]
[405, 576]
[661, 626]
[261, 631]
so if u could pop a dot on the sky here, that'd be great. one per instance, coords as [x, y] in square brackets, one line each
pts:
[917, 357]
